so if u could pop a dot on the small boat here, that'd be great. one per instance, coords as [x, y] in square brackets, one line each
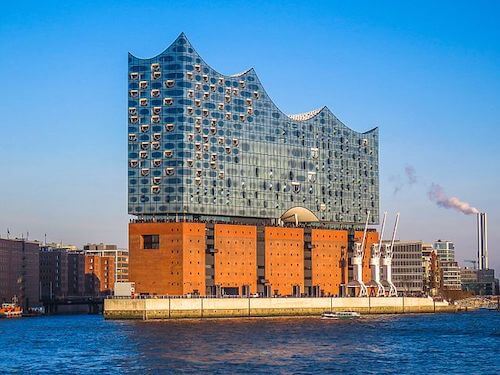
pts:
[337, 315]
[34, 311]
[10, 310]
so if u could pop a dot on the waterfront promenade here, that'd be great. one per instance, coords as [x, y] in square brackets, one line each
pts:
[178, 308]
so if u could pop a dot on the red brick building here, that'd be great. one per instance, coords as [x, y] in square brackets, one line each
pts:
[19, 272]
[62, 272]
[167, 258]
[99, 275]
[179, 258]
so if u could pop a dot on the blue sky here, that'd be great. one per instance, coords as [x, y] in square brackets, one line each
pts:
[426, 73]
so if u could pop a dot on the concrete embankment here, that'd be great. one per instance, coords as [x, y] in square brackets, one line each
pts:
[177, 308]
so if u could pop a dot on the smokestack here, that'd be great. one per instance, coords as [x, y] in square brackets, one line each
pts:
[485, 242]
[478, 229]
[482, 241]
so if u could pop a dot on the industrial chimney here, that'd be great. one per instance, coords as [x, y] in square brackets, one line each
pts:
[482, 241]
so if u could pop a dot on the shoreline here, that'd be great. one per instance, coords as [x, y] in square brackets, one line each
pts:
[210, 308]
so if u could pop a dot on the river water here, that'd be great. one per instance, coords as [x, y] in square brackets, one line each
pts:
[410, 344]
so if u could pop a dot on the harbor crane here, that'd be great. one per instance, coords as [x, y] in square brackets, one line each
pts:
[357, 263]
[375, 262]
[387, 252]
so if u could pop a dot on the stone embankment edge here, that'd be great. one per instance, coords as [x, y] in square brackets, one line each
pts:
[200, 308]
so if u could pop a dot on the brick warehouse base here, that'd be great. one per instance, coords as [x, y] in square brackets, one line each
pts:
[172, 258]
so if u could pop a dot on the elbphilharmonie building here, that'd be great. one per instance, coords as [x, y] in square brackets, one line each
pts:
[204, 145]
[231, 195]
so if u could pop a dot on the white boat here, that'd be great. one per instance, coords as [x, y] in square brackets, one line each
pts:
[340, 315]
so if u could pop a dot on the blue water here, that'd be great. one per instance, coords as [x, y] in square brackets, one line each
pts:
[417, 344]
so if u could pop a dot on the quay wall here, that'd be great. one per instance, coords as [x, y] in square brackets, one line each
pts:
[178, 308]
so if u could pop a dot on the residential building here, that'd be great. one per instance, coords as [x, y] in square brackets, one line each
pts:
[432, 275]
[53, 273]
[76, 273]
[231, 195]
[19, 272]
[449, 267]
[451, 276]
[61, 272]
[445, 250]
[120, 258]
[99, 275]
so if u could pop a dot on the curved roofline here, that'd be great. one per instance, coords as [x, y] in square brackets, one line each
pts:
[307, 115]
[162, 52]
[372, 130]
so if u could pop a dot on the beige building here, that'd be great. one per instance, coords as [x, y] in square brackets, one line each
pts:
[407, 274]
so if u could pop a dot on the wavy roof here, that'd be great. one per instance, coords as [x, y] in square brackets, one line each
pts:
[305, 116]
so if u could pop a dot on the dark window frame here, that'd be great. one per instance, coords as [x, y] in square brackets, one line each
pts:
[150, 241]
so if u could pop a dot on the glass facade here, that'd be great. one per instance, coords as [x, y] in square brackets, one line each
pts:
[203, 143]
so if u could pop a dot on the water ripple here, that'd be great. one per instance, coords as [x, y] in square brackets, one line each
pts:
[392, 344]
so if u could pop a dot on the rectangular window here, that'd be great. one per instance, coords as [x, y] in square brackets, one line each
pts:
[151, 241]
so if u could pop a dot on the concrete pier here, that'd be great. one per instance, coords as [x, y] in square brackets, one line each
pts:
[178, 308]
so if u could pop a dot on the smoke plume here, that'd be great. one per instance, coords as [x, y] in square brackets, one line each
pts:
[410, 174]
[396, 181]
[410, 180]
[437, 194]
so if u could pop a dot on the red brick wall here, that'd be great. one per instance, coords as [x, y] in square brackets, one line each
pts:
[284, 254]
[193, 250]
[177, 267]
[326, 253]
[99, 274]
[236, 256]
